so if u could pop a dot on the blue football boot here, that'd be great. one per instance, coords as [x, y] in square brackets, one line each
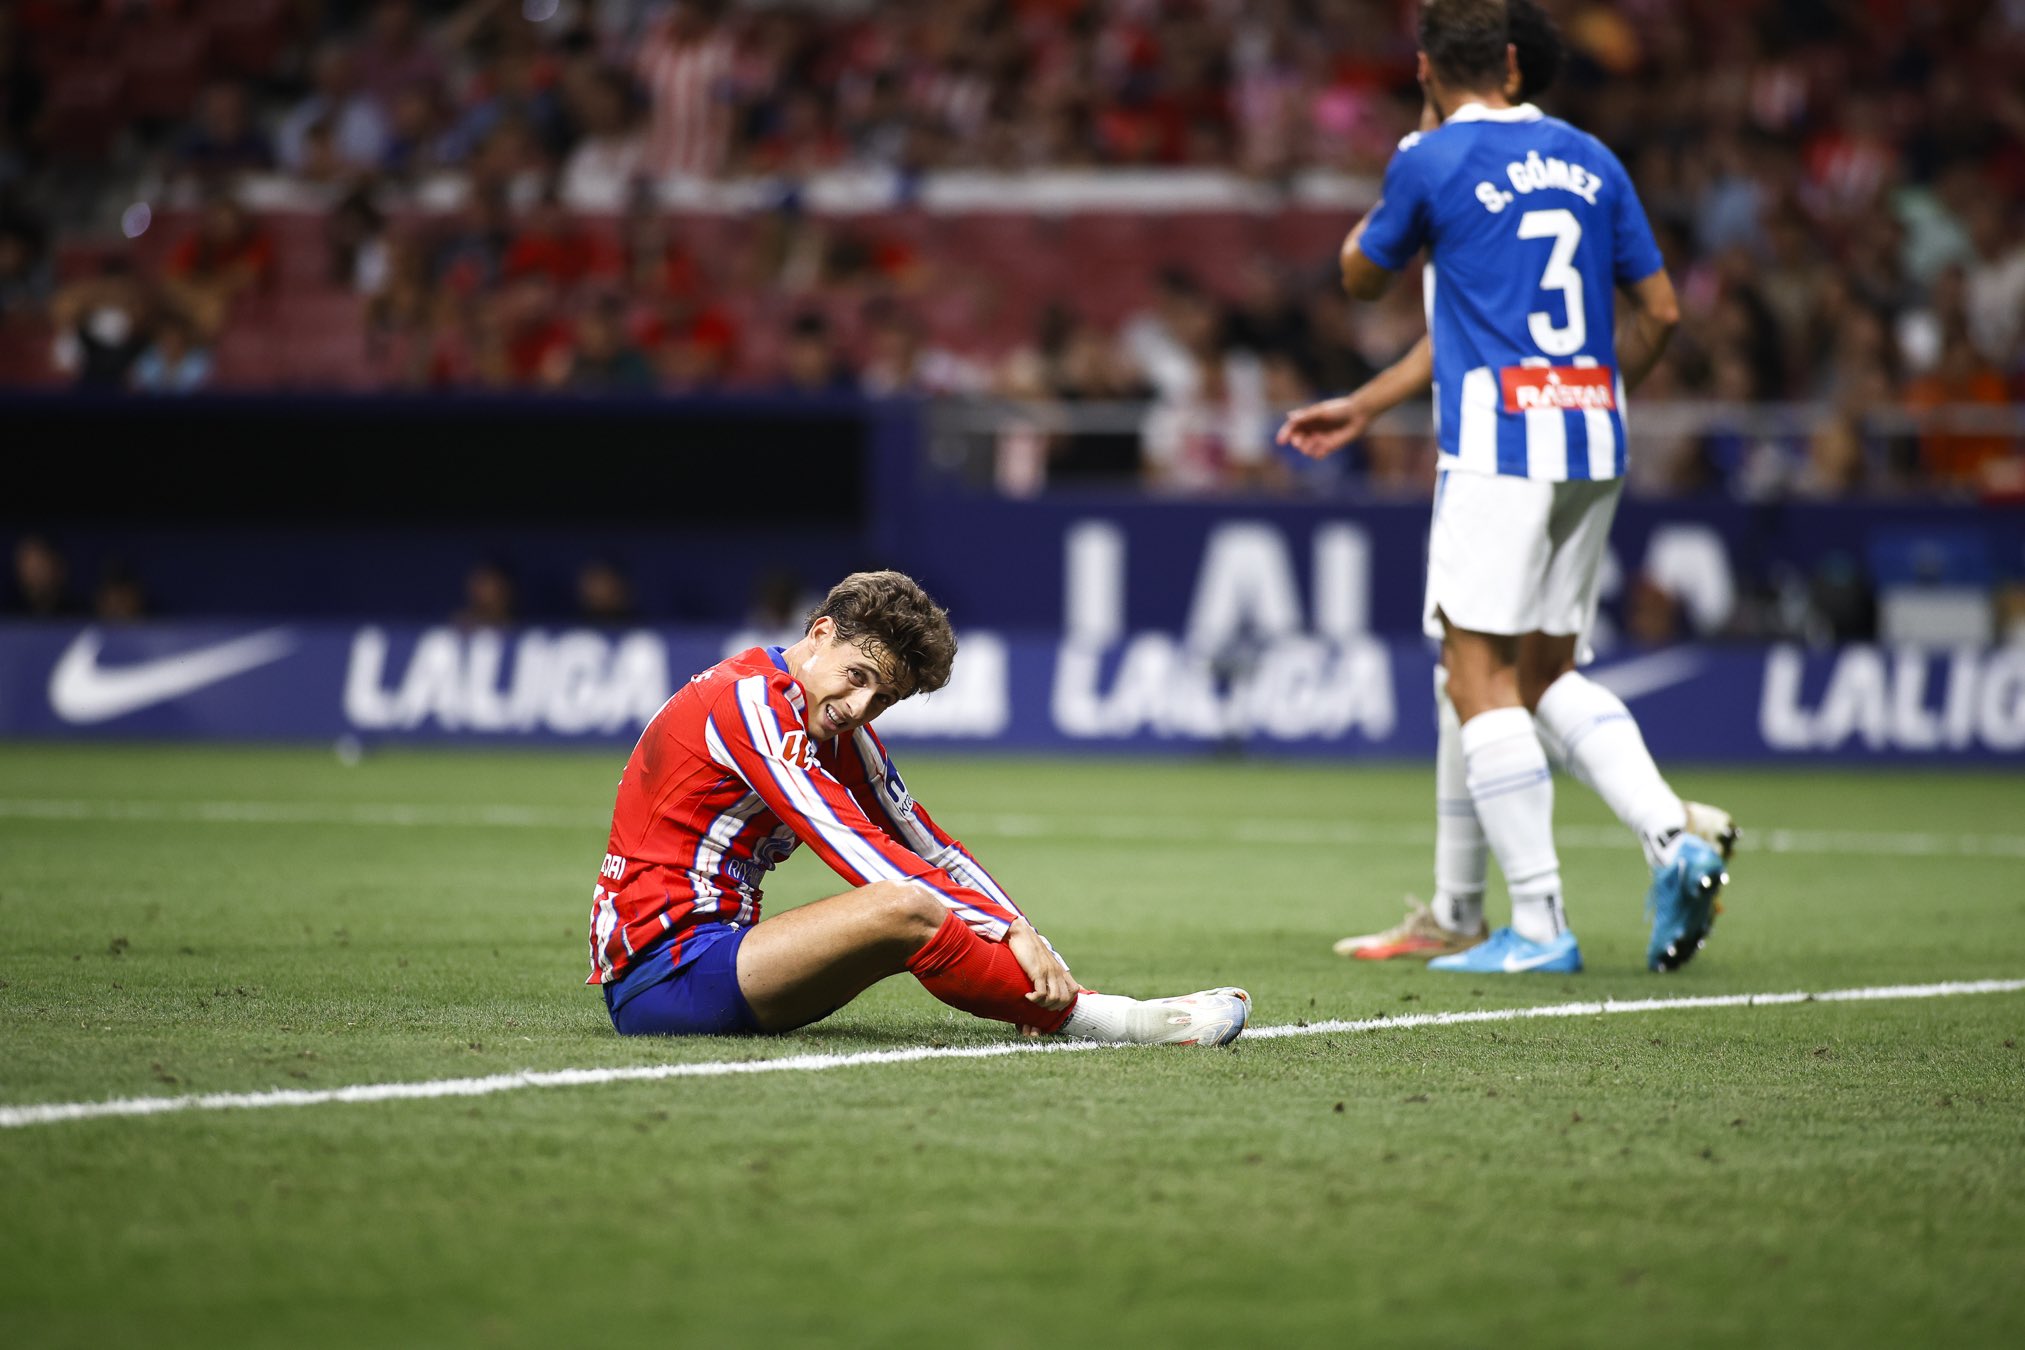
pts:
[1682, 903]
[1506, 953]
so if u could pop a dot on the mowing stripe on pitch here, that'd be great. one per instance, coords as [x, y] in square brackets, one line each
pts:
[1141, 829]
[12, 1117]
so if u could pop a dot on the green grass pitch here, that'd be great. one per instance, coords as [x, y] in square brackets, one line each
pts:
[182, 921]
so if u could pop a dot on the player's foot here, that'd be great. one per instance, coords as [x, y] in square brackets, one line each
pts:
[1507, 953]
[1713, 824]
[1210, 1017]
[1682, 902]
[1418, 934]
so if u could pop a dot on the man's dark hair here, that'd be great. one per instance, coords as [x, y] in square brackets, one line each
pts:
[1537, 42]
[1465, 42]
[907, 631]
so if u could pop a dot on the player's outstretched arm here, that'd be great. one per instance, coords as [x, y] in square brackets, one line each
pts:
[1321, 429]
[1641, 341]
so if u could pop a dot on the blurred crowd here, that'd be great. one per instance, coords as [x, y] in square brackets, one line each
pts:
[1839, 188]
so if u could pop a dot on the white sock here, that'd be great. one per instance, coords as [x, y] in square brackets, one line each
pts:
[1113, 1017]
[1461, 855]
[1100, 1017]
[1513, 791]
[1538, 916]
[1602, 747]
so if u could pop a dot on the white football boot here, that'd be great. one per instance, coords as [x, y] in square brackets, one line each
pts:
[1210, 1017]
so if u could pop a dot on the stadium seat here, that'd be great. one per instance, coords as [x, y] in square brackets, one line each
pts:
[25, 355]
[81, 113]
[246, 36]
[164, 64]
[249, 358]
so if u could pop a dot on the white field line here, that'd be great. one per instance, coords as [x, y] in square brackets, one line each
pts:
[14, 1117]
[1140, 829]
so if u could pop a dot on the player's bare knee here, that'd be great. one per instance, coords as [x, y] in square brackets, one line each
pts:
[906, 910]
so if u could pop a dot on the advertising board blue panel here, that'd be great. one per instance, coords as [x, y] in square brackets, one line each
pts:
[1145, 690]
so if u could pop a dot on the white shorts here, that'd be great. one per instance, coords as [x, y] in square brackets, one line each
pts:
[1517, 555]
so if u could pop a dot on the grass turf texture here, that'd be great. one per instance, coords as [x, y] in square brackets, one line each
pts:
[1826, 1174]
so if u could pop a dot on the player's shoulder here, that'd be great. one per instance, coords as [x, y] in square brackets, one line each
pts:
[752, 674]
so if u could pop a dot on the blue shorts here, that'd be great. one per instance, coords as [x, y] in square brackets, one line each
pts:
[701, 998]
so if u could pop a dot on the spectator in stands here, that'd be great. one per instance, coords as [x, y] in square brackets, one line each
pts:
[1157, 338]
[101, 326]
[1996, 285]
[602, 359]
[899, 360]
[41, 588]
[26, 277]
[225, 258]
[1266, 319]
[1834, 465]
[354, 122]
[470, 254]
[488, 597]
[600, 173]
[398, 54]
[686, 64]
[223, 140]
[696, 345]
[1209, 428]
[605, 595]
[1099, 387]
[1963, 379]
[21, 97]
[360, 252]
[119, 596]
[174, 362]
[551, 241]
[414, 145]
[812, 362]
[516, 84]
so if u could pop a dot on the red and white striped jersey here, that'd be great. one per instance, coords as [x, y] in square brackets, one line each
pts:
[689, 118]
[724, 783]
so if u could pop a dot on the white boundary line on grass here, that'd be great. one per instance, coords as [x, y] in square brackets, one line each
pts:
[14, 1117]
[1178, 829]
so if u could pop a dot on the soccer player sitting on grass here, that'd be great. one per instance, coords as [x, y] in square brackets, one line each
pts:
[773, 748]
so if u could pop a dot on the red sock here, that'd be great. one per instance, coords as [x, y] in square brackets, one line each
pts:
[982, 978]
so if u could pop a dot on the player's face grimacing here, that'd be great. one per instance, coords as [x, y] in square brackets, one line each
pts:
[847, 683]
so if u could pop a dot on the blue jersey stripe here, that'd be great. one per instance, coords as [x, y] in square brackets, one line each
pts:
[1578, 444]
[1512, 444]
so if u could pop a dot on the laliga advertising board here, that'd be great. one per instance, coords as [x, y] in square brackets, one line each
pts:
[1304, 691]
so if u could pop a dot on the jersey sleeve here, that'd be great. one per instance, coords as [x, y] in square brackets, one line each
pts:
[756, 732]
[1636, 254]
[886, 800]
[1396, 228]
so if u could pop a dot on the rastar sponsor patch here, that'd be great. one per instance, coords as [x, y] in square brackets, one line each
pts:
[1558, 388]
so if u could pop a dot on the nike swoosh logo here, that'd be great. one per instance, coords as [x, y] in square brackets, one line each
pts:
[82, 691]
[1515, 964]
[1649, 674]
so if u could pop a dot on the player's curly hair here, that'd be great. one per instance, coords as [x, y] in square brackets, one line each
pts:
[1537, 42]
[1465, 42]
[889, 612]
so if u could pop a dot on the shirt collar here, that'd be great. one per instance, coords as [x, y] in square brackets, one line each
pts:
[1477, 112]
[779, 655]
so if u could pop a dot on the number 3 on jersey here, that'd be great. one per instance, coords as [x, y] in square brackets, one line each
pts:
[1560, 275]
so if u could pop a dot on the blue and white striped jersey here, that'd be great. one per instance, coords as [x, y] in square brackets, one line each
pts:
[1531, 226]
